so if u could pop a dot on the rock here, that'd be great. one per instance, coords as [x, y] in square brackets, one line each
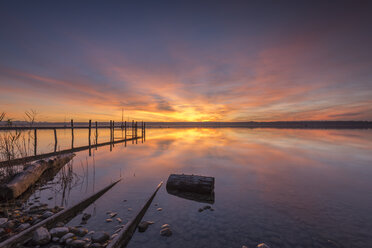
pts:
[23, 226]
[55, 239]
[206, 207]
[47, 214]
[60, 224]
[3, 221]
[119, 220]
[41, 236]
[143, 226]
[164, 226]
[129, 209]
[96, 245]
[50, 198]
[108, 220]
[77, 243]
[59, 231]
[114, 235]
[100, 237]
[69, 241]
[66, 237]
[244, 246]
[86, 217]
[263, 245]
[212, 209]
[200, 210]
[112, 215]
[166, 232]
[159, 209]
[81, 231]
[55, 246]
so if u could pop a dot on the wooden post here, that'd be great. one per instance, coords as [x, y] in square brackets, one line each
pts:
[89, 135]
[110, 130]
[96, 132]
[132, 128]
[144, 131]
[136, 130]
[35, 141]
[113, 131]
[72, 133]
[55, 140]
[125, 126]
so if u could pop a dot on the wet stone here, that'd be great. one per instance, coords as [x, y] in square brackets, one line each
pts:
[59, 231]
[41, 236]
[166, 232]
[55, 246]
[81, 231]
[263, 245]
[100, 237]
[96, 245]
[159, 209]
[47, 214]
[23, 226]
[86, 217]
[143, 226]
[77, 243]
[55, 239]
[66, 237]
[164, 226]
[108, 220]
[3, 221]
[60, 224]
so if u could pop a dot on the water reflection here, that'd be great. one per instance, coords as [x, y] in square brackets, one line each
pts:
[288, 188]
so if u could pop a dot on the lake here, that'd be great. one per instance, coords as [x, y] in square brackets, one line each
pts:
[283, 187]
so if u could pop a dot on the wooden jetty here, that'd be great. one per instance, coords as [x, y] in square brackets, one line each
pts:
[113, 140]
[63, 216]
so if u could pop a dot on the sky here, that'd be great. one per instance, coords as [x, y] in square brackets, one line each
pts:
[186, 60]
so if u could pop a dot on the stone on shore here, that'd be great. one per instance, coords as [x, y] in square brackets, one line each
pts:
[166, 232]
[41, 236]
[144, 225]
[59, 231]
[77, 243]
[66, 237]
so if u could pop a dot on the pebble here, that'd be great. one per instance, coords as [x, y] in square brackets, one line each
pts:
[100, 237]
[112, 215]
[143, 226]
[47, 214]
[66, 237]
[3, 221]
[41, 236]
[119, 220]
[96, 245]
[114, 235]
[159, 209]
[60, 224]
[50, 198]
[86, 216]
[164, 226]
[55, 239]
[81, 231]
[129, 209]
[77, 243]
[108, 220]
[55, 246]
[263, 245]
[59, 231]
[23, 226]
[166, 232]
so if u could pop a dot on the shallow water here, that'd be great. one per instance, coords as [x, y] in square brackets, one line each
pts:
[287, 188]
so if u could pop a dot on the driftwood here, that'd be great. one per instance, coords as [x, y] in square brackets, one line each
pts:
[127, 232]
[190, 183]
[25, 179]
[63, 216]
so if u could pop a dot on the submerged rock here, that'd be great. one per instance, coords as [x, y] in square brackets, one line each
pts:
[41, 236]
[100, 237]
[144, 225]
[263, 245]
[166, 232]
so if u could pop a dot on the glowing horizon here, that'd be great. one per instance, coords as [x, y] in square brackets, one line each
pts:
[190, 61]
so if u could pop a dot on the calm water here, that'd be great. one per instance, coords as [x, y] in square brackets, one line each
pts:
[287, 188]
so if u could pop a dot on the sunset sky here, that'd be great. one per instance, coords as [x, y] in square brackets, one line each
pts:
[186, 60]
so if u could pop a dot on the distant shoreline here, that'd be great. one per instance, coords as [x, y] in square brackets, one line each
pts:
[251, 124]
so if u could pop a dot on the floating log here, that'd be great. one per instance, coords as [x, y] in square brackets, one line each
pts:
[127, 232]
[63, 216]
[25, 179]
[191, 183]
